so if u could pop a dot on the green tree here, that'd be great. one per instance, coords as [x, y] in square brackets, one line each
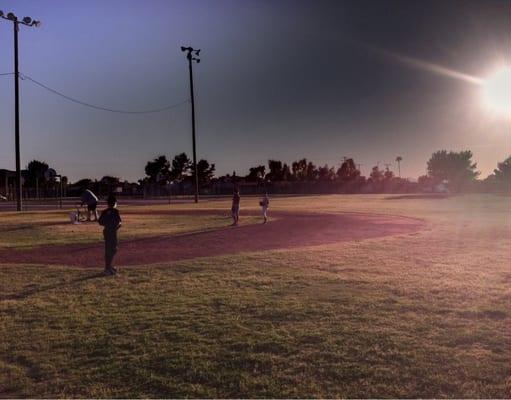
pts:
[83, 184]
[109, 183]
[503, 171]
[276, 171]
[256, 174]
[181, 167]
[299, 169]
[325, 173]
[35, 172]
[286, 173]
[388, 174]
[457, 168]
[205, 171]
[158, 169]
[398, 160]
[348, 171]
[311, 172]
[376, 175]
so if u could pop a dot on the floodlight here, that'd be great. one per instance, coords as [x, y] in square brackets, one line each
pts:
[183, 48]
[27, 20]
[12, 17]
[1, 13]
[36, 23]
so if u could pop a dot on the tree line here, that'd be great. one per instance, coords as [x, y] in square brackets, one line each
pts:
[179, 170]
[454, 171]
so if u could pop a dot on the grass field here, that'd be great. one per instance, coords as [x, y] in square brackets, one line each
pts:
[40, 228]
[418, 315]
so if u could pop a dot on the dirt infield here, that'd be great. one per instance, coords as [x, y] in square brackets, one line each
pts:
[284, 231]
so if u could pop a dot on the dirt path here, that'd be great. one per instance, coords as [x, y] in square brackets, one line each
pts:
[284, 231]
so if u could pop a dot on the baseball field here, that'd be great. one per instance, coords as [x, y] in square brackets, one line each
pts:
[337, 296]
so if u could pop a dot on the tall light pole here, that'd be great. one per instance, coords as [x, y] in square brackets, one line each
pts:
[192, 55]
[16, 23]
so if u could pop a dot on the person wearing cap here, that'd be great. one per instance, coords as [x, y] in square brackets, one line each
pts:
[265, 203]
[110, 219]
[89, 198]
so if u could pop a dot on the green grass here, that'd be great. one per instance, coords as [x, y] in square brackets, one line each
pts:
[35, 229]
[421, 315]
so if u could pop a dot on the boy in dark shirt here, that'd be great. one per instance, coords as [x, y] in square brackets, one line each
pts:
[111, 220]
[235, 209]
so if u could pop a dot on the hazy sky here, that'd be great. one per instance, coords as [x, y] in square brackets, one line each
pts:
[277, 79]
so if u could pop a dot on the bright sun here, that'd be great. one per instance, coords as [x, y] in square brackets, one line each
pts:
[497, 91]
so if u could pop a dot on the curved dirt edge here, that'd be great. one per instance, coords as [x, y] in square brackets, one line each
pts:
[286, 231]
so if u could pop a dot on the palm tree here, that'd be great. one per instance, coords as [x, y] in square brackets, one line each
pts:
[398, 160]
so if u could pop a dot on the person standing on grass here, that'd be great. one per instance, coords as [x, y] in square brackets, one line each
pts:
[91, 200]
[235, 209]
[110, 219]
[265, 203]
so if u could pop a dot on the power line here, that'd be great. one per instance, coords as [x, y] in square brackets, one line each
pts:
[7, 73]
[83, 103]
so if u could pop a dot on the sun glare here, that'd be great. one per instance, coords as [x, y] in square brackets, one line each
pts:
[497, 91]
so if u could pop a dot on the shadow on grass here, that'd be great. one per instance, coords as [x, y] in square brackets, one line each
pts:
[33, 225]
[41, 289]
